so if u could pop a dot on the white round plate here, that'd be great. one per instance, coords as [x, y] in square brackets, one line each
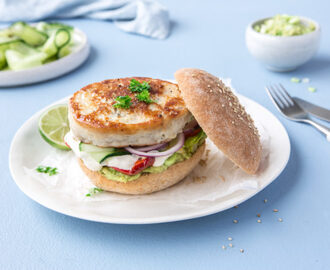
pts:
[28, 148]
[51, 70]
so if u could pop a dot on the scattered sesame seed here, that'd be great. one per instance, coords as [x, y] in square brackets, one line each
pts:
[236, 206]
[305, 80]
[223, 247]
[265, 200]
[230, 238]
[235, 221]
[259, 220]
[241, 250]
[223, 105]
[275, 210]
[208, 86]
[258, 215]
[231, 245]
[280, 219]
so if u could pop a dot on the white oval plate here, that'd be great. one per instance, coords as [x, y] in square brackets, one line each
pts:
[28, 149]
[51, 70]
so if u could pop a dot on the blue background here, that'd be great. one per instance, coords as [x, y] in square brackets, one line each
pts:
[209, 35]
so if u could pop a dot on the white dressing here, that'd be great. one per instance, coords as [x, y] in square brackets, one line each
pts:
[125, 162]
[89, 162]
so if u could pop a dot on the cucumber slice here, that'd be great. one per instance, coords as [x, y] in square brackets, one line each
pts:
[99, 153]
[49, 27]
[3, 60]
[29, 34]
[17, 60]
[57, 40]
[62, 37]
[66, 50]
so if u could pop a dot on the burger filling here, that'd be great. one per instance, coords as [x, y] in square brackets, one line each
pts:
[128, 164]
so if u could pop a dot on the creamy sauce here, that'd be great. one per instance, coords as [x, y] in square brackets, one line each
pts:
[90, 163]
[125, 162]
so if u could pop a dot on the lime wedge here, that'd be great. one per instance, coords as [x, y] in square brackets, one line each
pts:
[54, 125]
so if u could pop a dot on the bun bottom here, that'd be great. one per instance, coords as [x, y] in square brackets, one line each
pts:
[147, 183]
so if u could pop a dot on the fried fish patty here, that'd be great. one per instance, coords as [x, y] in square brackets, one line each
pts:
[93, 118]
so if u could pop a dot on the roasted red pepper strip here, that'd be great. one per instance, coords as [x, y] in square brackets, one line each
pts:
[139, 166]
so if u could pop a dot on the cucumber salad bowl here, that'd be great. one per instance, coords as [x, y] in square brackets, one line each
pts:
[31, 53]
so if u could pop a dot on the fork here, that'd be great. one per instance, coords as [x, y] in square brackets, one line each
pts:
[291, 110]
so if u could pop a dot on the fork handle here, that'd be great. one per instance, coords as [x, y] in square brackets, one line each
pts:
[323, 129]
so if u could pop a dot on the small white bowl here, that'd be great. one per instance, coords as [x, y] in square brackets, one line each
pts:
[282, 53]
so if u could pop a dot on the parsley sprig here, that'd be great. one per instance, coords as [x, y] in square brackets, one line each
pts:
[123, 102]
[144, 96]
[93, 191]
[136, 86]
[142, 89]
[45, 169]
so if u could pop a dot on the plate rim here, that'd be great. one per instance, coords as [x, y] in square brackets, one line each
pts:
[151, 220]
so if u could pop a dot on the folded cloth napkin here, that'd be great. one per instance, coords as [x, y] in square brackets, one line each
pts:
[142, 17]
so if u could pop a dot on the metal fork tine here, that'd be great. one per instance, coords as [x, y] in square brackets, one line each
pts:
[273, 98]
[281, 95]
[286, 94]
[277, 97]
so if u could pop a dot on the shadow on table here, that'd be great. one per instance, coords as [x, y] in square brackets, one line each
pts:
[319, 64]
[220, 223]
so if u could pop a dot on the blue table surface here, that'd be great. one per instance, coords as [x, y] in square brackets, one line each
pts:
[209, 35]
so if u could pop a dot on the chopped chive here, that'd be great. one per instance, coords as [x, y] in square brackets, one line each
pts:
[295, 80]
[46, 169]
[312, 89]
[93, 191]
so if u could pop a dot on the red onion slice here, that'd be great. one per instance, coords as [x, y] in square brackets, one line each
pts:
[151, 147]
[170, 151]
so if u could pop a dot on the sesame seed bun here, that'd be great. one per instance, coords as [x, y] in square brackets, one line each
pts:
[221, 116]
[147, 183]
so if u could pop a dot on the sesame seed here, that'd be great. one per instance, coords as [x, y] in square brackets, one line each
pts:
[259, 220]
[280, 219]
[230, 238]
[231, 245]
[241, 250]
[265, 200]
[275, 210]
[223, 105]
[236, 206]
[208, 86]
[223, 247]
[258, 215]
[235, 221]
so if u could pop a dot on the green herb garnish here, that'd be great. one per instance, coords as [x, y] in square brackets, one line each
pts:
[93, 191]
[295, 80]
[144, 96]
[45, 169]
[136, 86]
[312, 89]
[123, 102]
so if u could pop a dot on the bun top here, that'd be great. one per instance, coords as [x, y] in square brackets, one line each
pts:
[219, 113]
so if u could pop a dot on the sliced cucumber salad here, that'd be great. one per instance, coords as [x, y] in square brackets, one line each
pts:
[24, 46]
